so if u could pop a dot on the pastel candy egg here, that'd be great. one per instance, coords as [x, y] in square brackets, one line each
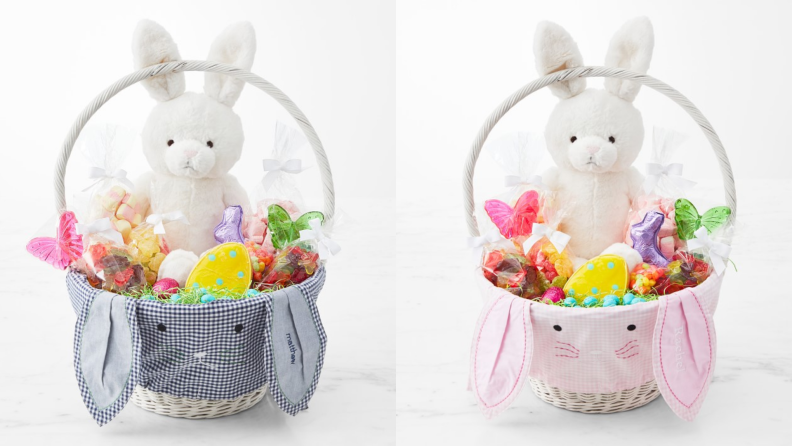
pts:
[553, 294]
[570, 302]
[602, 275]
[628, 297]
[206, 298]
[166, 286]
[590, 301]
[637, 300]
[225, 266]
[611, 300]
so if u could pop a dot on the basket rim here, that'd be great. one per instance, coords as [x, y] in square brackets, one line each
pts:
[81, 280]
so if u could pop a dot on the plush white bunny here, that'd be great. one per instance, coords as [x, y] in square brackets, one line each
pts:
[191, 140]
[594, 136]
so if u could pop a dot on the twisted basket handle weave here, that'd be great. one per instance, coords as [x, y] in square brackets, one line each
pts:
[519, 95]
[196, 65]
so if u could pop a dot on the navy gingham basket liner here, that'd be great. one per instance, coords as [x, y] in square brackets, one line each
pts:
[214, 324]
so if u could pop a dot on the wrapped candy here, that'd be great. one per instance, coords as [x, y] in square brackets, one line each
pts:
[668, 240]
[644, 277]
[148, 249]
[510, 269]
[260, 259]
[685, 270]
[114, 265]
[292, 265]
[110, 195]
[547, 247]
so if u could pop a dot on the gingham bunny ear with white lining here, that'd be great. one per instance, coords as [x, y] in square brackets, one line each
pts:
[106, 353]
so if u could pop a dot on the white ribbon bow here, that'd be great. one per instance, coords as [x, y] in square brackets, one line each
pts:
[275, 168]
[99, 174]
[673, 171]
[557, 238]
[326, 247]
[103, 227]
[158, 219]
[477, 244]
[718, 252]
[516, 180]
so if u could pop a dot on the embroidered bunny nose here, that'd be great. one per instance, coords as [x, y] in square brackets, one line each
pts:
[592, 149]
[200, 354]
[190, 153]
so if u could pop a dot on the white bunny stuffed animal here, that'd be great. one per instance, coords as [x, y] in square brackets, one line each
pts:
[594, 136]
[191, 140]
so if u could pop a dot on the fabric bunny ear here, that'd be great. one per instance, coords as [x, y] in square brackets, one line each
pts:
[106, 353]
[236, 45]
[630, 48]
[683, 352]
[501, 352]
[298, 344]
[152, 45]
[555, 50]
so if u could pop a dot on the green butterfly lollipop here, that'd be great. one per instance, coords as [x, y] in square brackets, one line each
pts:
[688, 219]
[283, 229]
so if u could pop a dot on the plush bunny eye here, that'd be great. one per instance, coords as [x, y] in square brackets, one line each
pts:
[557, 327]
[631, 327]
[170, 142]
[238, 328]
[611, 139]
[161, 327]
[210, 144]
[573, 139]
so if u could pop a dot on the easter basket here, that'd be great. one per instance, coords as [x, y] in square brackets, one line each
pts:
[595, 360]
[196, 361]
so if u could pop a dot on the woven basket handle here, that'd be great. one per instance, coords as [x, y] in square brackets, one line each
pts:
[195, 65]
[519, 95]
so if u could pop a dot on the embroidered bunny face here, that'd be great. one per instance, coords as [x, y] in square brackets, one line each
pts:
[595, 131]
[193, 136]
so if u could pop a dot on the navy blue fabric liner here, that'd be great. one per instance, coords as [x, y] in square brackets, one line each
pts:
[200, 354]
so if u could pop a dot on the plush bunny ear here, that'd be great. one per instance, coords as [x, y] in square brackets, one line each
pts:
[236, 45]
[683, 352]
[501, 352]
[298, 343]
[630, 48]
[106, 353]
[555, 50]
[152, 45]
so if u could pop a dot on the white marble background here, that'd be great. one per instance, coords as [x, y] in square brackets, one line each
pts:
[748, 401]
[354, 404]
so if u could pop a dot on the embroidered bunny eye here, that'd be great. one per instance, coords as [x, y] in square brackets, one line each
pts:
[161, 327]
[631, 327]
[573, 139]
[170, 142]
[611, 139]
[557, 327]
[238, 328]
[210, 144]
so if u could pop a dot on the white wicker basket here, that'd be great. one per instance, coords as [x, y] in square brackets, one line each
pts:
[625, 399]
[162, 403]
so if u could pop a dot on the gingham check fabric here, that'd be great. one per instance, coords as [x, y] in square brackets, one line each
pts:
[596, 350]
[214, 351]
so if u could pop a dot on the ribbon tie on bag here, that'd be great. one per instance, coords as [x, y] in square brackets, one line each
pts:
[673, 171]
[557, 238]
[158, 220]
[516, 180]
[99, 174]
[477, 244]
[326, 247]
[103, 227]
[718, 252]
[275, 168]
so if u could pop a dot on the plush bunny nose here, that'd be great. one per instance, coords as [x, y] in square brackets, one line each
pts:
[190, 153]
[592, 149]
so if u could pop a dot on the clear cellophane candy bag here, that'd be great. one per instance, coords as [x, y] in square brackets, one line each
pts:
[114, 265]
[293, 264]
[554, 265]
[662, 186]
[506, 266]
[110, 196]
[148, 249]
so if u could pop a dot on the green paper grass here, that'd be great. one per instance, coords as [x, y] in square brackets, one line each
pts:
[192, 296]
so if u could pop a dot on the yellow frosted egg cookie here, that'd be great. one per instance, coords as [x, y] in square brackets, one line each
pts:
[225, 266]
[600, 276]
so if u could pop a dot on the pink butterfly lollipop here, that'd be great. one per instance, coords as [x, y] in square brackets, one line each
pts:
[517, 221]
[61, 251]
